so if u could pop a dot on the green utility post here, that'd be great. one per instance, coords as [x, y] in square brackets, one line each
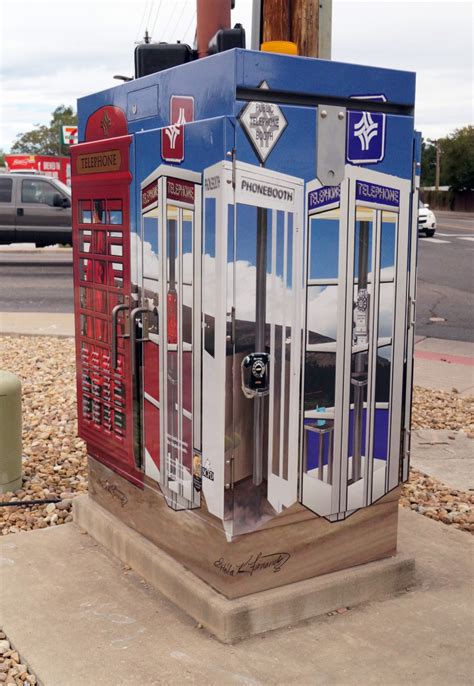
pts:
[10, 432]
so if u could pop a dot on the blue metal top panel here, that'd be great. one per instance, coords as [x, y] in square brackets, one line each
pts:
[322, 77]
[213, 83]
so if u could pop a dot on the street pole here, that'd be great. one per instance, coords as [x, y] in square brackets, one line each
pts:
[438, 160]
[211, 15]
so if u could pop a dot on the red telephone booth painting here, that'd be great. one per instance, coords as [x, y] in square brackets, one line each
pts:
[101, 238]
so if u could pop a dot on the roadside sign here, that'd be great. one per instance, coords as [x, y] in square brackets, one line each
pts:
[263, 123]
[69, 135]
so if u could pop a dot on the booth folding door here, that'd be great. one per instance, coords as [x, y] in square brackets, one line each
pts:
[354, 354]
[252, 304]
[170, 333]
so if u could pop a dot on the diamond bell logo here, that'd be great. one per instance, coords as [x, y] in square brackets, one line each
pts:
[366, 133]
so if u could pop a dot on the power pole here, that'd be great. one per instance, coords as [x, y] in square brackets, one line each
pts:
[211, 15]
[297, 21]
[438, 160]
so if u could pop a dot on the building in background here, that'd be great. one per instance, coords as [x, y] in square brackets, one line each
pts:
[50, 165]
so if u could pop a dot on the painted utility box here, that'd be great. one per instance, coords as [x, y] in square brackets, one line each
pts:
[244, 265]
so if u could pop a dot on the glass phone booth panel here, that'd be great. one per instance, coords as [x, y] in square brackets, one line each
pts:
[265, 262]
[170, 297]
[355, 327]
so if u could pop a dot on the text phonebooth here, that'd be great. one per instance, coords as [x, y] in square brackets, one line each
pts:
[101, 238]
[171, 351]
[354, 354]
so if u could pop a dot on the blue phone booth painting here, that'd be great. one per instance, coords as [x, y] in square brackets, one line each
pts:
[269, 314]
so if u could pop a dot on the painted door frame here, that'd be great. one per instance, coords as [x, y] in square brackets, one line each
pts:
[162, 177]
[336, 502]
[275, 191]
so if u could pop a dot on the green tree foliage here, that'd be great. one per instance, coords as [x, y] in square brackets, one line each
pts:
[46, 140]
[428, 164]
[2, 158]
[457, 159]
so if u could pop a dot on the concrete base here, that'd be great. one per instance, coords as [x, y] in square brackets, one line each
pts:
[232, 620]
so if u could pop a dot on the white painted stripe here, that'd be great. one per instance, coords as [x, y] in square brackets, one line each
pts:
[434, 240]
[453, 235]
[465, 238]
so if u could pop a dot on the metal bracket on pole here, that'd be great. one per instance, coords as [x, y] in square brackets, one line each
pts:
[325, 29]
[331, 144]
[256, 39]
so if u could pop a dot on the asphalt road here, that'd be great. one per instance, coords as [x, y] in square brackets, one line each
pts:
[445, 290]
[36, 281]
[40, 281]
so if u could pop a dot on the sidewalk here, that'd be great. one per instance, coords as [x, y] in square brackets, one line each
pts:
[105, 626]
[444, 365]
[36, 324]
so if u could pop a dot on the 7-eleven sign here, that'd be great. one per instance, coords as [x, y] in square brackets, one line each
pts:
[172, 137]
[69, 135]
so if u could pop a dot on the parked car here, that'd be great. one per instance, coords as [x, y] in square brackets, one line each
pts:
[34, 209]
[426, 219]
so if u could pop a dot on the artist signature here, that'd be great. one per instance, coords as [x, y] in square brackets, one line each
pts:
[255, 563]
[114, 491]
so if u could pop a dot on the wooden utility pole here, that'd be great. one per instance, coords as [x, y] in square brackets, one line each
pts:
[438, 159]
[292, 20]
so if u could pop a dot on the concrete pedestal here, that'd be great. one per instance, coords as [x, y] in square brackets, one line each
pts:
[234, 619]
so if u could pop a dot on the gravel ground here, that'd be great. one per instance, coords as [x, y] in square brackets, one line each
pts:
[442, 410]
[12, 669]
[55, 463]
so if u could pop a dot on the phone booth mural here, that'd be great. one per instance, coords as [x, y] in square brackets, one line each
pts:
[171, 351]
[354, 358]
[245, 320]
[101, 239]
[255, 314]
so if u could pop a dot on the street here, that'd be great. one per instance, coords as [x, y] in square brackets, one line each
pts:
[445, 291]
[41, 281]
[36, 281]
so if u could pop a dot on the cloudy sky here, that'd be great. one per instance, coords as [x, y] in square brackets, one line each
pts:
[53, 51]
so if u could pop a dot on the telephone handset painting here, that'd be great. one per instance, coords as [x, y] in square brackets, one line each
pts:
[254, 369]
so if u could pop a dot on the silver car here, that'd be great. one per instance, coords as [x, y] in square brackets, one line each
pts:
[34, 209]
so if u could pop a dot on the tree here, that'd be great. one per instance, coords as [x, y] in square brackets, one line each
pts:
[46, 140]
[457, 159]
[428, 163]
[2, 158]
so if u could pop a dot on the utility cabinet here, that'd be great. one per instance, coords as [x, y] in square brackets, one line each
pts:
[245, 233]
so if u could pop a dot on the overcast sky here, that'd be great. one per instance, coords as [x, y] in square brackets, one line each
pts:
[53, 51]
